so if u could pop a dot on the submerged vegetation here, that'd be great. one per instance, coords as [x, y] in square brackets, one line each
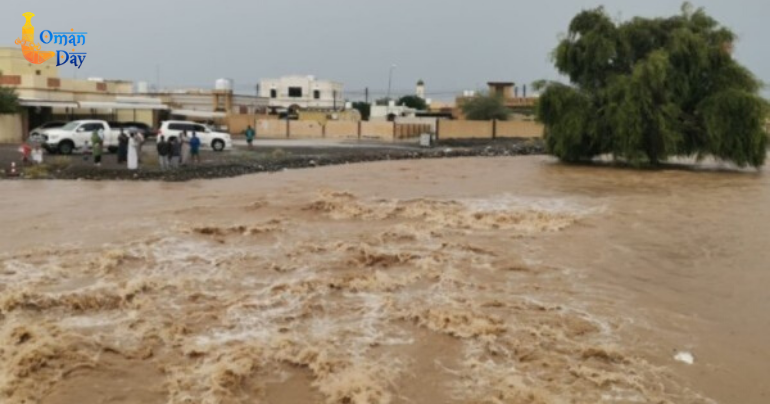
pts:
[646, 90]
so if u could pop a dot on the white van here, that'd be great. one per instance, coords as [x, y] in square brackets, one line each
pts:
[217, 141]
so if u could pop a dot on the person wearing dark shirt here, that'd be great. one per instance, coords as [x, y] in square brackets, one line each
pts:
[163, 152]
[175, 152]
[122, 147]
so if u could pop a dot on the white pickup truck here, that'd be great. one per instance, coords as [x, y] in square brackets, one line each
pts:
[76, 135]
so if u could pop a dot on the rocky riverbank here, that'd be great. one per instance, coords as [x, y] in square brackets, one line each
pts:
[243, 162]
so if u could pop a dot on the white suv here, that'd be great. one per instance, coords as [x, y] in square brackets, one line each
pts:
[217, 141]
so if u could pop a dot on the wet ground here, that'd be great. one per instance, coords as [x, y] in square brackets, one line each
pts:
[264, 156]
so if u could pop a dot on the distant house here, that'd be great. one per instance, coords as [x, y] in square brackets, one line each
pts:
[302, 92]
[515, 98]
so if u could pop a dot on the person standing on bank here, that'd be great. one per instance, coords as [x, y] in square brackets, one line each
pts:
[133, 157]
[195, 148]
[122, 147]
[96, 148]
[163, 152]
[175, 152]
[185, 143]
[250, 135]
[139, 139]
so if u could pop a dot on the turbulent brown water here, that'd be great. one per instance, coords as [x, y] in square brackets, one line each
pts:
[511, 280]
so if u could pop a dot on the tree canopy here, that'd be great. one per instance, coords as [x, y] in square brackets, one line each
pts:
[9, 101]
[485, 107]
[413, 101]
[646, 90]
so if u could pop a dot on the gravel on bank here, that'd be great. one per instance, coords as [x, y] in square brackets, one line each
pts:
[239, 165]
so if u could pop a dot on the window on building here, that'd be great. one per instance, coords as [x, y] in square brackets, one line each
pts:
[295, 92]
[273, 93]
[317, 94]
[37, 72]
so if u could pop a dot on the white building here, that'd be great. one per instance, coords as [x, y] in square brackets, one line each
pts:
[304, 92]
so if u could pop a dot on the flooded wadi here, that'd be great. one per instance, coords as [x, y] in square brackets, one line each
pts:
[500, 280]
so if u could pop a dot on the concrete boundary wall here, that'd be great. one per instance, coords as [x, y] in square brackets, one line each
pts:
[465, 129]
[390, 131]
[377, 130]
[525, 129]
[11, 128]
[305, 130]
[341, 130]
[271, 128]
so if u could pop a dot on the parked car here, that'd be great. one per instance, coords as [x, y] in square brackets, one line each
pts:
[217, 141]
[37, 135]
[76, 135]
[139, 127]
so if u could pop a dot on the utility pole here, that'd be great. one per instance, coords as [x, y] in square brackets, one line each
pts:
[390, 81]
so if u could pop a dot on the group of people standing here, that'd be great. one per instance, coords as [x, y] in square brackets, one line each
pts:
[178, 152]
[129, 149]
[172, 153]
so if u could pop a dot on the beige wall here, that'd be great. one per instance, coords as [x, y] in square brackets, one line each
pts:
[342, 130]
[10, 128]
[144, 116]
[377, 130]
[305, 130]
[519, 129]
[12, 62]
[237, 124]
[271, 128]
[465, 130]
[418, 121]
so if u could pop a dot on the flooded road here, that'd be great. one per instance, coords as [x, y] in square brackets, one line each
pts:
[505, 280]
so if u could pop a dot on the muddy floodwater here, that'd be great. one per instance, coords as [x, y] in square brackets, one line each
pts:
[500, 280]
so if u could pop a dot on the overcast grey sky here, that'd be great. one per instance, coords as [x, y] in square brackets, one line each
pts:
[451, 44]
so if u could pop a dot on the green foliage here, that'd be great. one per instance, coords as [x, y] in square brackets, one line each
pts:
[413, 101]
[9, 101]
[364, 108]
[649, 89]
[485, 107]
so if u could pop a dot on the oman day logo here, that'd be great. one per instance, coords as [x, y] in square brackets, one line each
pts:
[69, 39]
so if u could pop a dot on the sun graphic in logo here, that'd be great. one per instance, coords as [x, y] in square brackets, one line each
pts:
[30, 50]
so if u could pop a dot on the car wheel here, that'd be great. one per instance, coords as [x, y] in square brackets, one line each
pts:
[66, 147]
[218, 145]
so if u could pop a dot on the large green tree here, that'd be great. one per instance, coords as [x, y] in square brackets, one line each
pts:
[485, 107]
[9, 101]
[646, 90]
